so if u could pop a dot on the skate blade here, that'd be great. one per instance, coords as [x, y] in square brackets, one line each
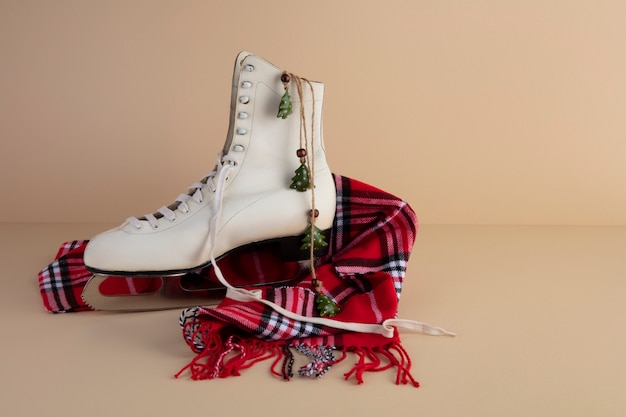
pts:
[179, 291]
[169, 295]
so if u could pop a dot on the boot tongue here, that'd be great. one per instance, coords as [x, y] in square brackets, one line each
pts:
[241, 56]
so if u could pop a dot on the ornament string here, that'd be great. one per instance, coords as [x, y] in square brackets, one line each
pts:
[306, 153]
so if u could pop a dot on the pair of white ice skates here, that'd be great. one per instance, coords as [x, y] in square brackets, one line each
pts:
[245, 199]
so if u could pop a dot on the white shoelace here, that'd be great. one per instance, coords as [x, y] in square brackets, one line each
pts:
[214, 182]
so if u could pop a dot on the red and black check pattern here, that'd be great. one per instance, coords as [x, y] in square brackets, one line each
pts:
[62, 282]
[372, 238]
[370, 243]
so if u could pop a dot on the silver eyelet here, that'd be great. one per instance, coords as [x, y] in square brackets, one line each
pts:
[242, 115]
[241, 131]
[244, 99]
[248, 68]
[246, 84]
[238, 148]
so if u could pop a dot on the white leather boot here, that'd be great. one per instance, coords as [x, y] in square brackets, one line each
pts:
[246, 198]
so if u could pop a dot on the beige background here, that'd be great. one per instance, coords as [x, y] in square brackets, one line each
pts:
[480, 112]
[493, 113]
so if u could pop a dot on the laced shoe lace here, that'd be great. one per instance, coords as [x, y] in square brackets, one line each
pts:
[212, 182]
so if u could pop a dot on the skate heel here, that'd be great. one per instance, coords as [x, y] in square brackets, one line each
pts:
[291, 248]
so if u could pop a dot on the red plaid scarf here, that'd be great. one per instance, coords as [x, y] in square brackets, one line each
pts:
[371, 239]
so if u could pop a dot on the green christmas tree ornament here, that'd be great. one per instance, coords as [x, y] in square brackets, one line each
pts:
[285, 107]
[317, 240]
[301, 181]
[326, 306]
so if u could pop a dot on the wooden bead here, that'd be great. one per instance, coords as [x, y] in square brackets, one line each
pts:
[301, 153]
[315, 214]
[285, 78]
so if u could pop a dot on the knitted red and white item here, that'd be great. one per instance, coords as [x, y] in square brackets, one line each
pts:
[371, 240]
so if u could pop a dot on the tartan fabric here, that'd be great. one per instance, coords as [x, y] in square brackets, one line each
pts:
[371, 240]
[369, 247]
[61, 283]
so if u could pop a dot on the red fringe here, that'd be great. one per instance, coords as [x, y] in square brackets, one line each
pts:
[221, 359]
[224, 358]
[370, 360]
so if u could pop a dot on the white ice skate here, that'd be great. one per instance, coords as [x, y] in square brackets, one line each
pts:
[247, 199]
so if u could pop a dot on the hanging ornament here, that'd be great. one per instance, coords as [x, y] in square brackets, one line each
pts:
[285, 108]
[316, 238]
[326, 307]
[301, 181]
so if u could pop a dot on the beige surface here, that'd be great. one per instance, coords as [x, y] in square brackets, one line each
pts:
[489, 111]
[538, 310]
